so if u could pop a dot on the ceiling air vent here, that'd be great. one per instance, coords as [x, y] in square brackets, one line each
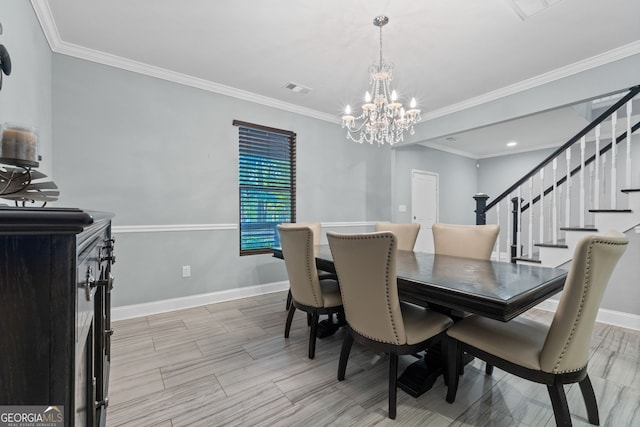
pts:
[295, 87]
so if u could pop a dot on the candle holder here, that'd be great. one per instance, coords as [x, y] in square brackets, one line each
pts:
[19, 146]
[17, 184]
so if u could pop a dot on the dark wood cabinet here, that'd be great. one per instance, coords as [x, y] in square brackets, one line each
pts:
[55, 327]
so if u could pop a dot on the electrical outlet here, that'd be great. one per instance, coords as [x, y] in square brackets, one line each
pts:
[186, 271]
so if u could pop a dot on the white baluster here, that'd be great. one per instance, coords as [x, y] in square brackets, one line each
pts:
[530, 234]
[628, 169]
[604, 175]
[498, 222]
[567, 209]
[614, 158]
[596, 182]
[509, 234]
[554, 203]
[591, 191]
[583, 142]
[542, 205]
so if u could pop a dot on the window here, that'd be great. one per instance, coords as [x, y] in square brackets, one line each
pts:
[267, 177]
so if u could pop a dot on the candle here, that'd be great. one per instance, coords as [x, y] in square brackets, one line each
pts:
[18, 143]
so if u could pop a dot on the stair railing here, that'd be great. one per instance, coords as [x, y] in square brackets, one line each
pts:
[519, 199]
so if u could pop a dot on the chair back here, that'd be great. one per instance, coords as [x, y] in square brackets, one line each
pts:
[314, 226]
[468, 241]
[297, 248]
[566, 347]
[366, 268]
[406, 234]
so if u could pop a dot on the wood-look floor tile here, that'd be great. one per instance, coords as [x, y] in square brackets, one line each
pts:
[621, 368]
[167, 404]
[229, 364]
[135, 386]
[261, 402]
[625, 341]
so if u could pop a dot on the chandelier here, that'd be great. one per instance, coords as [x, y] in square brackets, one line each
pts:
[383, 118]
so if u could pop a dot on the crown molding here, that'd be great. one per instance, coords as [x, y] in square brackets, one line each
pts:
[619, 53]
[57, 45]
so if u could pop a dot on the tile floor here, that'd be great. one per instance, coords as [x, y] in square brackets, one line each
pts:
[228, 364]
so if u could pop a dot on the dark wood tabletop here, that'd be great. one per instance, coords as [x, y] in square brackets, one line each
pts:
[499, 290]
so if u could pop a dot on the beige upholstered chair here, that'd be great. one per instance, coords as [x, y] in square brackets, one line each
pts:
[316, 228]
[406, 234]
[552, 355]
[468, 241]
[309, 293]
[366, 267]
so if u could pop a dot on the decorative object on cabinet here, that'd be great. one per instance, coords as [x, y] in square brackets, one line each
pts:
[56, 284]
[5, 60]
[19, 148]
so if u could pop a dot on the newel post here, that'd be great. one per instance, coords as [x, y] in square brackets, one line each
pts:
[481, 205]
[516, 227]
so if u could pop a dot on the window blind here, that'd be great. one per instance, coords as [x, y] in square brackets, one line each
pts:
[267, 171]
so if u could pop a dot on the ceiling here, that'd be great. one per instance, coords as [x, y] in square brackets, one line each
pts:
[446, 53]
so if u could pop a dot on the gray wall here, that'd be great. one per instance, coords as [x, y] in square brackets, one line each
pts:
[26, 94]
[159, 153]
[457, 179]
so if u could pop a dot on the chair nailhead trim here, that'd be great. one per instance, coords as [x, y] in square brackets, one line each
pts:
[582, 298]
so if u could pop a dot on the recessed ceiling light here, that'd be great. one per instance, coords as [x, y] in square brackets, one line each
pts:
[512, 144]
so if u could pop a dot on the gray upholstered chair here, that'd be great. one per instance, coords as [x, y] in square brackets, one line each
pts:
[316, 228]
[552, 355]
[468, 241]
[366, 267]
[309, 293]
[406, 234]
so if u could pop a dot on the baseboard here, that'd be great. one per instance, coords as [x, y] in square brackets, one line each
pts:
[157, 307]
[609, 317]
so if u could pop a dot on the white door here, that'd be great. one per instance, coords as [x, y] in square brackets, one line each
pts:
[424, 207]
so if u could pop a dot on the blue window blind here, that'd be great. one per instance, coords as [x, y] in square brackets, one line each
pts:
[267, 176]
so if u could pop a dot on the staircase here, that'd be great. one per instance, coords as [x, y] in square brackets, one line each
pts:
[623, 220]
[589, 185]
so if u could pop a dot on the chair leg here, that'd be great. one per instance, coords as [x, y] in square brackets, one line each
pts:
[287, 327]
[453, 368]
[289, 297]
[393, 389]
[559, 404]
[590, 401]
[312, 335]
[344, 355]
[488, 369]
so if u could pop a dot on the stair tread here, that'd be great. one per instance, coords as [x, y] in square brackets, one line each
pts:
[585, 228]
[552, 245]
[537, 261]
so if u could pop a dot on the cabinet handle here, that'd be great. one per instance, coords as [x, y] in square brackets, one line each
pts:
[90, 283]
[104, 402]
[109, 332]
[107, 283]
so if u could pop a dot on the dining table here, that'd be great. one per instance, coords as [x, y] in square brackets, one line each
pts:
[495, 289]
